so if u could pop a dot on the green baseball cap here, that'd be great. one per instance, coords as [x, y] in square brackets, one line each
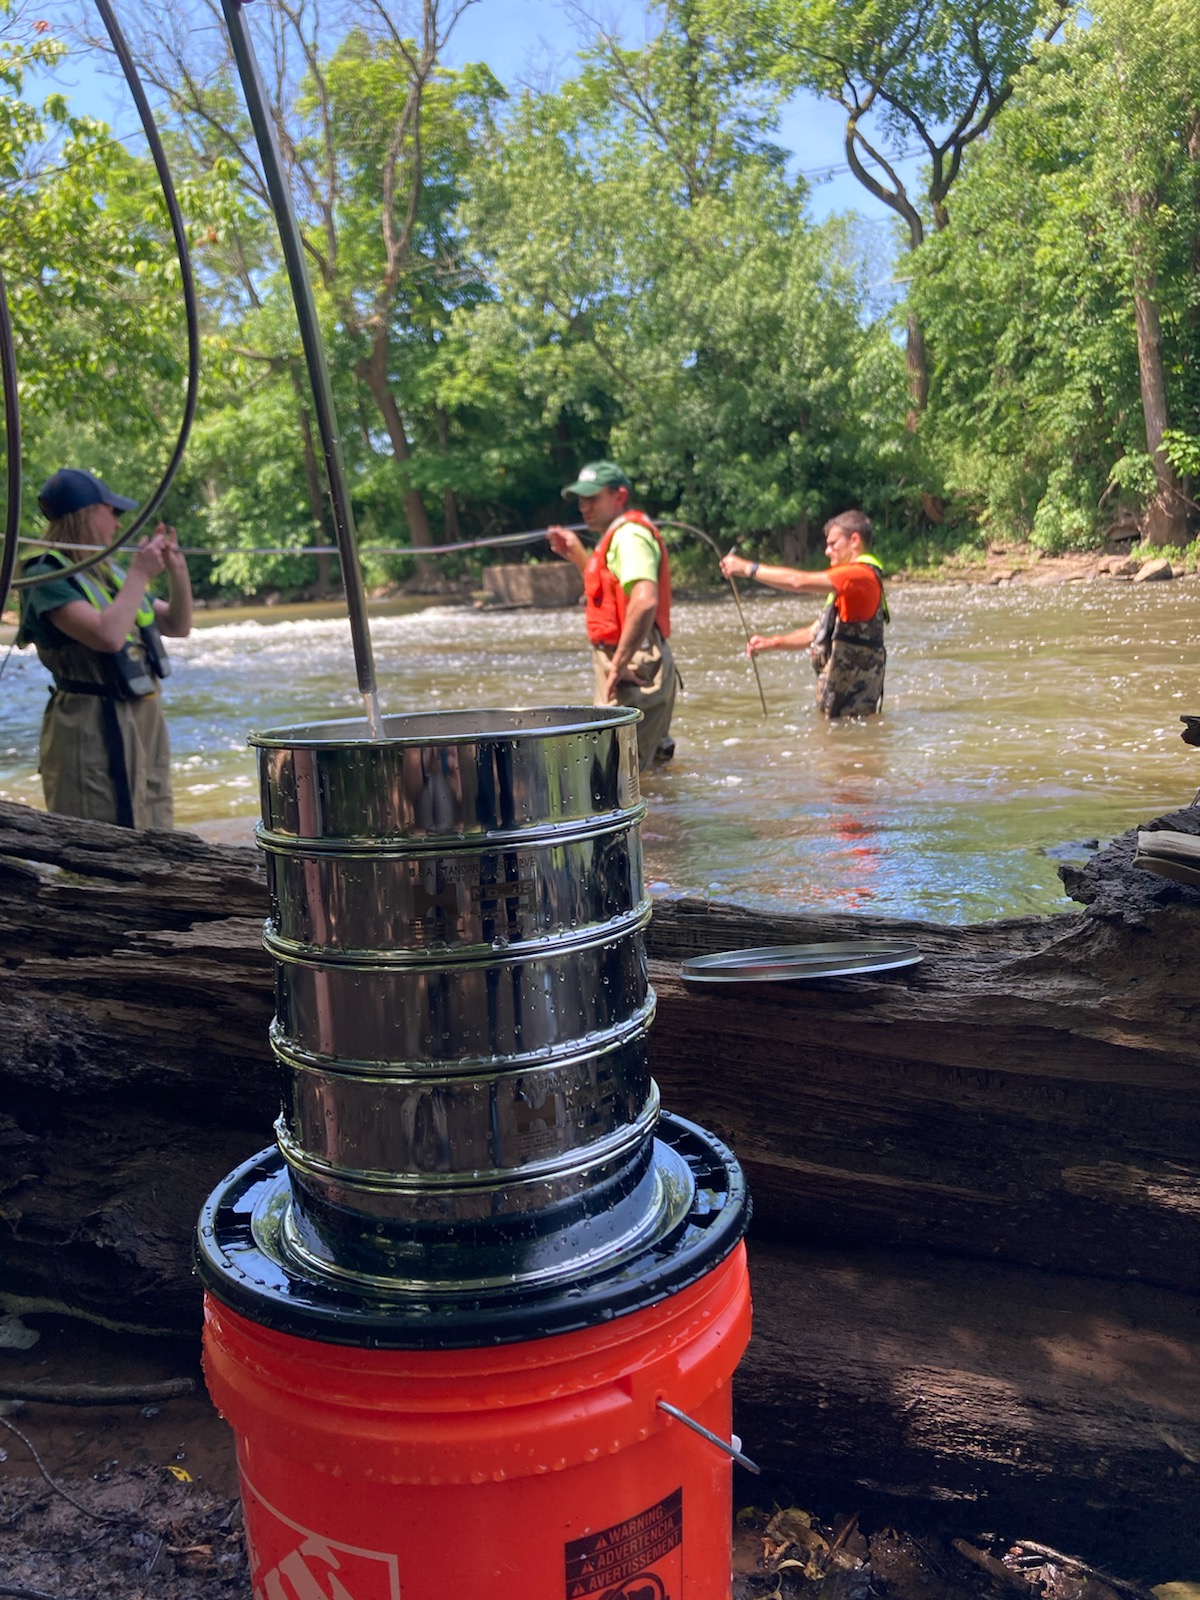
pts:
[598, 475]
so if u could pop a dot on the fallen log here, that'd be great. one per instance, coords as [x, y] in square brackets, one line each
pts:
[1067, 1408]
[1030, 1092]
[1028, 1097]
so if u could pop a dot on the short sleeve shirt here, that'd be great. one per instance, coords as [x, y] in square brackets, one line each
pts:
[633, 555]
[37, 603]
[856, 589]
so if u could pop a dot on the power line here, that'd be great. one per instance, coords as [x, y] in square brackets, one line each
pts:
[818, 174]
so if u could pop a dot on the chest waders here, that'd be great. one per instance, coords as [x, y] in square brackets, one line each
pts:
[130, 673]
[865, 635]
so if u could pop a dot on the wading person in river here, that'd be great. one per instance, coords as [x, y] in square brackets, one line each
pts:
[104, 750]
[627, 586]
[845, 643]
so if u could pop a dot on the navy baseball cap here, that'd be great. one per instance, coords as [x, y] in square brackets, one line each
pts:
[71, 489]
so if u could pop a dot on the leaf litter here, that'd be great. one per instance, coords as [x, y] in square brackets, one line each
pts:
[787, 1552]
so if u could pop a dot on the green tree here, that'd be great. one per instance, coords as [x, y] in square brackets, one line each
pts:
[1145, 107]
[1062, 297]
[666, 295]
[374, 134]
[923, 77]
[93, 282]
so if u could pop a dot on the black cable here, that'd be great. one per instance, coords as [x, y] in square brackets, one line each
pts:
[290, 239]
[668, 522]
[532, 536]
[189, 300]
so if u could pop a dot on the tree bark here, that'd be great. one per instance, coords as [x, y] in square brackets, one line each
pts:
[1030, 1092]
[316, 490]
[1067, 1409]
[917, 364]
[449, 498]
[1164, 521]
[374, 374]
[897, 199]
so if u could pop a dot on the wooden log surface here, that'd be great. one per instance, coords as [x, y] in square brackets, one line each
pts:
[1027, 1097]
[1066, 1407]
[1030, 1092]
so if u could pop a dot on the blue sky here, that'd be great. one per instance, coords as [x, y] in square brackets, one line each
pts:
[529, 39]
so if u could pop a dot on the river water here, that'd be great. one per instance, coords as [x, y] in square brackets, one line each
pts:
[1023, 725]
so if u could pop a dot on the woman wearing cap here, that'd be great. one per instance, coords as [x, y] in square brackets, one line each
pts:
[105, 754]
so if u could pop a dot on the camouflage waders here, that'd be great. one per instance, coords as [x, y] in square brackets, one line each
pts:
[849, 659]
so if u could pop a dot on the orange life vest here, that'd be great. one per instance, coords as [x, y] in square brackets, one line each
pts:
[606, 599]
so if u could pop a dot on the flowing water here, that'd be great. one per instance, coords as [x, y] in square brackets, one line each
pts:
[1023, 725]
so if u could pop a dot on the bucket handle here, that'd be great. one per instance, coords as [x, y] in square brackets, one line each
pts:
[713, 1438]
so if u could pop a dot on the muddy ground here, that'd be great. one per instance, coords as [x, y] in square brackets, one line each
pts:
[138, 1500]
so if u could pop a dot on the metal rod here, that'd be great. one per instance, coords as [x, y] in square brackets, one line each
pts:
[314, 355]
[191, 313]
[713, 1438]
[12, 445]
[737, 599]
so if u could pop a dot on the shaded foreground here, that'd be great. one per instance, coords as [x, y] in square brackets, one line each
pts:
[139, 1499]
[976, 1182]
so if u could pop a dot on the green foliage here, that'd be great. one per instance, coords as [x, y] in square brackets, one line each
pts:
[93, 287]
[624, 266]
[1183, 451]
[1135, 473]
[665, 299]
[934, 63]
[1028, 295]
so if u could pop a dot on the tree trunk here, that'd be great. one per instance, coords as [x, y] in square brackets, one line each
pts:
[449, 498]
[561, 447]
[1191, 346]
[897, 199]
[316, 491]
[917, 364]
[374, 374]
[1030, 1092]
[1164, 521]
[1065, 1409]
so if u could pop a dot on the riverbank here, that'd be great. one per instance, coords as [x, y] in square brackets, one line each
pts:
[998, 565]
[1003, 564]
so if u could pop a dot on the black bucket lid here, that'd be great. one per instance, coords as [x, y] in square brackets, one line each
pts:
[240, 1263]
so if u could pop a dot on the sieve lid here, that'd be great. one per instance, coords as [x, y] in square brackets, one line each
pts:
[798, 963]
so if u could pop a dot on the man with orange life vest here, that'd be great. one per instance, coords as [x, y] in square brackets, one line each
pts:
[105, 754]
[846, 642]
[627, 586]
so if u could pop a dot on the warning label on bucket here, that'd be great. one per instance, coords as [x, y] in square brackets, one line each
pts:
[638, 1559]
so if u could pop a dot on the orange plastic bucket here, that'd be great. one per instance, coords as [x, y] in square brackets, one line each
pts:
[540, 1470]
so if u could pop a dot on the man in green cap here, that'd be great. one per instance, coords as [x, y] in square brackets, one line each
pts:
[627, 586]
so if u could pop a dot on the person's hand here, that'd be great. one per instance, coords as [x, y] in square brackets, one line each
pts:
[735, 566]
[173, 557]
[149, 558]
[618, 675]
[565, 543]
[757, 643]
